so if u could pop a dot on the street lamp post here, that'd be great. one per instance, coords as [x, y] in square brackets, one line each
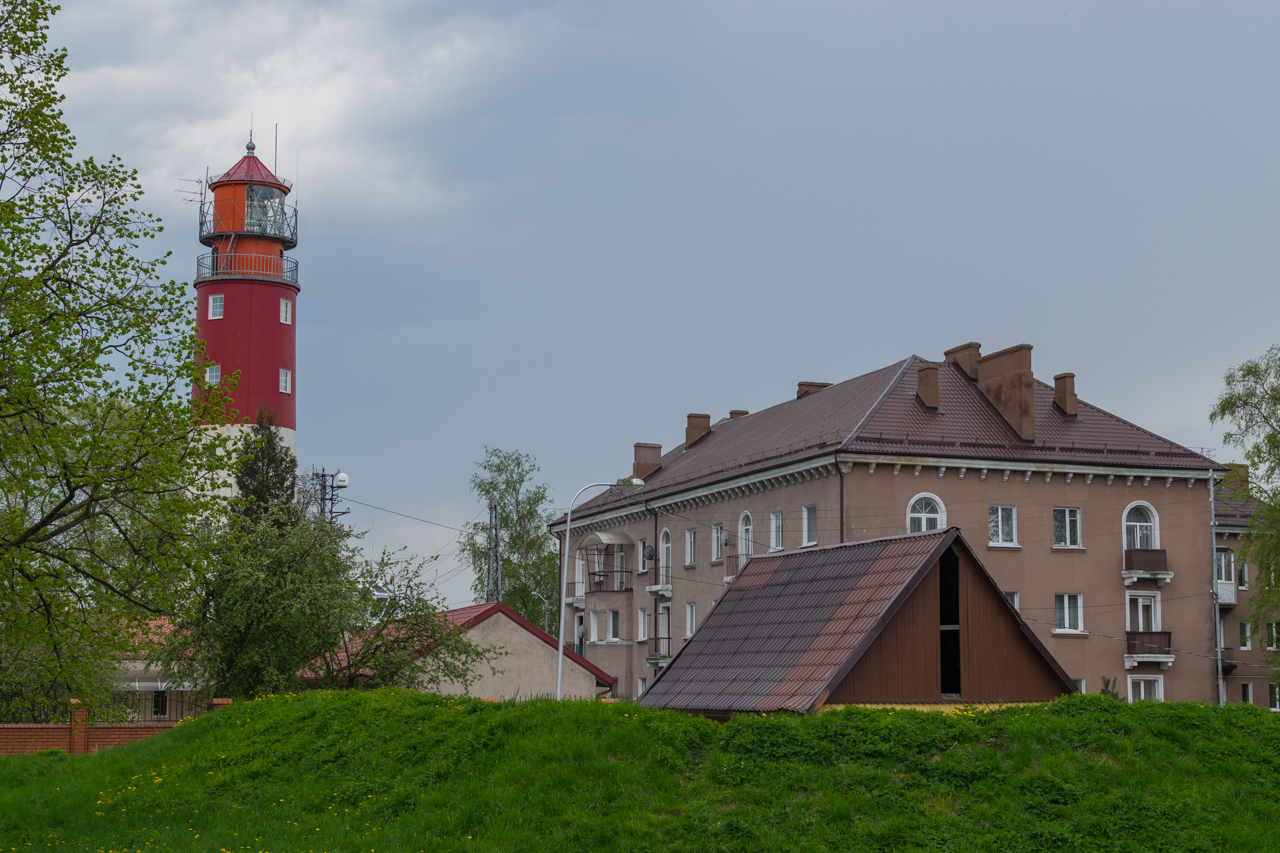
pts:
[634, 483]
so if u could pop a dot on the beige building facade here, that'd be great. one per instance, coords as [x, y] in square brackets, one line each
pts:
[1099, 532]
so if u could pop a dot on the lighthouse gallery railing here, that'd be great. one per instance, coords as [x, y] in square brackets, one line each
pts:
[237, 265]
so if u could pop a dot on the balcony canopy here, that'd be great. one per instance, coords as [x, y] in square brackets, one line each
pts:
[602, 540]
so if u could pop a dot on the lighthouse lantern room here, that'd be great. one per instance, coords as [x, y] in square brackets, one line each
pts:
[247, 289]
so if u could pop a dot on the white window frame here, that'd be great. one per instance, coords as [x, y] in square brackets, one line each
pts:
[1273, 696]
[1079, 543]
[221, 305]
[579, 621]
[690, 548]
[1246, 692]
[1224, 563]
[1017, 599]
[213, 374]
[642, 684]
[1155, 525]
[1273, 629]
[1079, 684]
[286, 311]
[642, 623]
[579, 570]
[1079, 613]
[591, 627]
[1246, 637]
[717, 547]
[1158, 679]
[942, 512]
[746, 532]
[1155, 610]
[1242, 574]
[613, 625]
[809, 527]
[664, 557]
[642, 565]
[775, 531]
[286, 381]
[1000, 516]
[690, 618]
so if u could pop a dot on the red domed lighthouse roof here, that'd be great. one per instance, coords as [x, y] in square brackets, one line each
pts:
[250, 168]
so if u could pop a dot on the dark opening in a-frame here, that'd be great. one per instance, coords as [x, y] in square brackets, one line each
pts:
[949, 622]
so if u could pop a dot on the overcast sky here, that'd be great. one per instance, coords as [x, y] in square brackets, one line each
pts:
[560, 227]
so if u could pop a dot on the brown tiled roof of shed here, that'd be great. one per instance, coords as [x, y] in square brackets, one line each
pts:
[879, 413]
[791, 622]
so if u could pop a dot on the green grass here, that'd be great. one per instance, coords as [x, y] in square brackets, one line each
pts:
[391, 771]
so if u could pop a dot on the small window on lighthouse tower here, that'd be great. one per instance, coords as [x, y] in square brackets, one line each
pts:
[286, 311]
[213, 374]
[286, 381]
[215, 306]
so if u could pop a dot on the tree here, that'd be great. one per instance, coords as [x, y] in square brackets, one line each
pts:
[1250, 404]
[267, 470]
[530, 555]
[105, 469]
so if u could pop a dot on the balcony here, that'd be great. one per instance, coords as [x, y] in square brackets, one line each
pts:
[733, 564]
[276, 221]
[659, 651]
[1226, 593]
[235, 265]
[610, 580]
[1147, 647]
[1146, 564]
[575, 594]
[661, 589]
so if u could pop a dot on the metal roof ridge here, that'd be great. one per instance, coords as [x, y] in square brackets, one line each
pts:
[875, 407]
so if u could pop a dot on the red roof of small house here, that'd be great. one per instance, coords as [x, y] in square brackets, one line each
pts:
[250, 168]
[472, 615]
[793, 625]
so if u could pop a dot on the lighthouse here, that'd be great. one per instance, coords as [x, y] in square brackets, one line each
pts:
[247, 290]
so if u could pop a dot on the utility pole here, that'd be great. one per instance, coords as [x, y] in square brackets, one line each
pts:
[330, 484]
[493, 575]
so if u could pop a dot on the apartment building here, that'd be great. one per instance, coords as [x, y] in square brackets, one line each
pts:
[1097, 531]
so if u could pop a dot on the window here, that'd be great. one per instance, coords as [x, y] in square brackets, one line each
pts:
[717, 543]
[1273, 695]
[215, 306]
[664, 558]
[599, 572]
[1273, 629]
[1146, 688]
[1224, 566]
[642, 623]
[1242, 574]
[1144, 613]
[591, 622]
[642, 684]
[1066, 527]
[1079, 684]
[925, 512]
[286, 312]
[611, 624]
[1012, 598]
[159, 704]
[579, 571]
[1067, 612]
[1246, 692]
[811, 524]
[690, 619]
[213, 374]
[644, 563]
[775, 531]
[744, 536]
[1002, 525]
[1139, 528]
[690, 547]
[1246, 637]
[286, 381]
[619, 568]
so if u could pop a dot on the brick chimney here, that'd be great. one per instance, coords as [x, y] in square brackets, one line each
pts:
[1064, 392]
[696, 427]
[927, 385]
[734, 414]
[1005, 378]
[648, 460]
[966, 355]
[804, 389]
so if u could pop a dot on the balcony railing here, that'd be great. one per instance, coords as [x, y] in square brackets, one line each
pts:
[237, 265]
[1146, 563]
[659, 647]
[1147, 642]
[575, 589]
[610, 580]
[1226, 593]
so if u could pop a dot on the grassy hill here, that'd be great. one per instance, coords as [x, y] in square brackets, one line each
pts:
[388, 771]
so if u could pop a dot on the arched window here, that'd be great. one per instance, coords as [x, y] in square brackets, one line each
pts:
[744, 535]
[664, 558]
[1139, 527]
[925, 513]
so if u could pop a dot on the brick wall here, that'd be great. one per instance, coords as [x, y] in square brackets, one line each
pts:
[78, 736]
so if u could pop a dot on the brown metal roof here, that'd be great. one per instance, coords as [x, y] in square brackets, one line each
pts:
[792, 624]
[880, 413]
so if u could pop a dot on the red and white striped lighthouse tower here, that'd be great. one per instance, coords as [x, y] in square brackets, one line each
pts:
[248, 290]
